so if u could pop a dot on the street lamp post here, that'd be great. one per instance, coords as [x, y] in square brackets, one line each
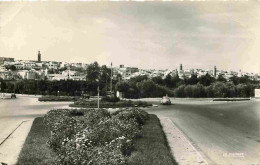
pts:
[106, 83]
[111, 80]
[98, 91]
[98, 96]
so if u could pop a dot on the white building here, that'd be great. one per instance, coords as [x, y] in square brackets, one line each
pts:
[52, 65]
[57, 77]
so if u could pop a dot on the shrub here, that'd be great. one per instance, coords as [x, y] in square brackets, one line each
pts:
[65, 128]
[54, 116]
[94, 136]
[104, 104]
[94, 116]
[110, 99]
[57, 98]
[137, 115]
[76, 112]
[81, 151]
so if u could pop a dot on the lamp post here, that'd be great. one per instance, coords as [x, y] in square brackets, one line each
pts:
[98, 95]
[98, 91]
[111, 80]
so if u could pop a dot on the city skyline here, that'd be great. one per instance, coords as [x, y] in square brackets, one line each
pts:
[145, 35]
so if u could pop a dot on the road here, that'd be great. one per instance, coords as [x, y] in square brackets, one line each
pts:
[225, 133]
[14, 111]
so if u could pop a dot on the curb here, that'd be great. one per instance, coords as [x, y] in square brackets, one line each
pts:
[13, 131]
[12, 145]
[182, 149]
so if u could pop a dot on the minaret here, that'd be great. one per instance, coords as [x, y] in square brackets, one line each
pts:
[181, 67]
[39, 56]
[215, 71]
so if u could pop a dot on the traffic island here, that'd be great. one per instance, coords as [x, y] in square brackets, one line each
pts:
[139, 141]
[82, 103]
[57, 98]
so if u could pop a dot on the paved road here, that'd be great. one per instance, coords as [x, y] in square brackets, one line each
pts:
[226, 133]
[14, 111]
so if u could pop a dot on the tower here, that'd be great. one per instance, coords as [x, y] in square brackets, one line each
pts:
[39, 56]
[215, 71]
[181, 67]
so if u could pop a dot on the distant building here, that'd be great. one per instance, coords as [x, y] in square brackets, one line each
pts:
[39, 56]
[57, 77]
[19, 66]
[31, 75]
[29, 65]
[3, 59]
[121, 66]
[257, 93]
[52, 65]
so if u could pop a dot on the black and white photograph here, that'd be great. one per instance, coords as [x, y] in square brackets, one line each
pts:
[130, 82]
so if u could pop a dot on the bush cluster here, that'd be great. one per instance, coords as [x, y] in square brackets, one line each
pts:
[57, 98]
[105, 104]
[110, 99]
[94, 136]
[216, 90]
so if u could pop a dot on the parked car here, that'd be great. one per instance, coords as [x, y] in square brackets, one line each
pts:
[85, 96]
[8, 95]
[166, 100]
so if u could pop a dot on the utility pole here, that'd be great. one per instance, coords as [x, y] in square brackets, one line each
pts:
[111, 80]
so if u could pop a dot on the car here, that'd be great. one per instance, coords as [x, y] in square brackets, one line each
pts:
[8, 95]
[166, 100]
[85, 96]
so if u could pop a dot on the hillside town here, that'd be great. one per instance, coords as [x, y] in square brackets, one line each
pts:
[12, 69]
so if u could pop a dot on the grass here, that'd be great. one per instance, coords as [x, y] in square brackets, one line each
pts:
[35, 150]
[152, 149]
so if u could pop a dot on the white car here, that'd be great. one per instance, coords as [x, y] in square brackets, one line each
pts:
[7, 95]
[166, 100]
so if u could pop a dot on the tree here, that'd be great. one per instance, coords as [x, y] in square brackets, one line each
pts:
[11, 67]
[221, 78]
[176, 81]
[122, 86]
[188, 91]
[93, 76]
[193, 79]
[235, 80]
[168, 81]
[206, 80]
[158, 80]
[179, 92]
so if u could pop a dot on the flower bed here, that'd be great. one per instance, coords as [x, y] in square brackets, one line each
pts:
[94, 136]
[57, 98]
[105, 104]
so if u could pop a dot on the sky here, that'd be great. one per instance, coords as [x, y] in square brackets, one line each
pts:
[148, 35]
